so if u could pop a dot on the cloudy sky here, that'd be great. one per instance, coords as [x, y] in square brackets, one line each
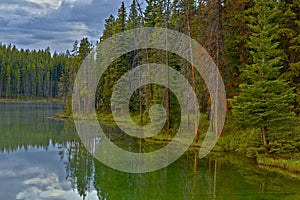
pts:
[37, 24]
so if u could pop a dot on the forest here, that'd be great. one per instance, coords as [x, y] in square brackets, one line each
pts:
[254, 43]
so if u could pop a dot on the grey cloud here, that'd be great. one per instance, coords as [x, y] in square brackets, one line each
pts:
[29, 26]
[14, 173]
[3, 22]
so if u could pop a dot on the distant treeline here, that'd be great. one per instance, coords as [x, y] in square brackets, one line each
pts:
[30, 74]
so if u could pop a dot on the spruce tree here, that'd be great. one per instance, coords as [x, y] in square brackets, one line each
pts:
[121, 19]
[134, 20]
[264, 101]
[290, 44]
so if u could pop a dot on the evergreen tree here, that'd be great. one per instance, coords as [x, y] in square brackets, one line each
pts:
[121, 19]
[108, 28]
[265, 100]
[84, 48]
[134, 20]
[104, 88]
[150, 13]
[290, 44]
[236, 33]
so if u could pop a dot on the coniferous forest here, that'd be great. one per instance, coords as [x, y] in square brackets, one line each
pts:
[254, 43]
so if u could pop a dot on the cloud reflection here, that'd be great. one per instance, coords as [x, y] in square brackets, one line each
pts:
[48, 187]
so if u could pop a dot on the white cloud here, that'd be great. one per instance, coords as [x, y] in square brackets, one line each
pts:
[81, 2]
[34, 193]
[51, 179]
[54, 4]
[47, 187]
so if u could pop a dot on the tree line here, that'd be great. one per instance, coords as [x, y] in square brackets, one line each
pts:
[254, 43]
[26, 74]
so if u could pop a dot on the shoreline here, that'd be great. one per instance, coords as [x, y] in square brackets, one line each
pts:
[291, 165]
[286, 166]
[30, 100]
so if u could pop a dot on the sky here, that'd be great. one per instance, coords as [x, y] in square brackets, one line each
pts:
[38, 24]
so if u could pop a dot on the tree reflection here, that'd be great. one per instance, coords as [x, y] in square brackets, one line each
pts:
[79, 168]
[217, 177]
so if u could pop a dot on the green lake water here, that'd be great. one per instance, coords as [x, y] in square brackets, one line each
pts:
[43, 158]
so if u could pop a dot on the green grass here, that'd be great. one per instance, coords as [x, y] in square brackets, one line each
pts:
[63, 116]
[292, 164]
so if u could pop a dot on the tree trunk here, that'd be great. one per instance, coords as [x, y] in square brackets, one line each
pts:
[167, 74]
[265, 139]
[193, 81]
[141, 99]
[150, 85]
[167, 88]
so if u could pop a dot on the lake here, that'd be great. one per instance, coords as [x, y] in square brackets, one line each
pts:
[42, 158]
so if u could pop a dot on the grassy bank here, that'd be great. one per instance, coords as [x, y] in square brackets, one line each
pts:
[63, 116]
[291, 164]
[283, 152]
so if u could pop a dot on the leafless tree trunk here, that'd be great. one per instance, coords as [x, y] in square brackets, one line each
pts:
[193, 79]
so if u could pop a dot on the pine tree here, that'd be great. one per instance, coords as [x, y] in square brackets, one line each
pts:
[150, 13]
[134, 20]
[236, 32]
[104, 88]
[290, 44]
[121, 20]
[108, 28]
[84, 48]
[264, 101]
[75, 49]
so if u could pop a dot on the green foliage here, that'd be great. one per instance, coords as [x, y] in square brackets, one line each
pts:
[246, 142]
[255, 44]
[289, 164]
[121, 20]
[134, 20]
[290, 43]
[30, 74]
[265, 101]
[254, 107]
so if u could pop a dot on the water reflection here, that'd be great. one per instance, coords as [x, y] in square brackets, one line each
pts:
[44, 159]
